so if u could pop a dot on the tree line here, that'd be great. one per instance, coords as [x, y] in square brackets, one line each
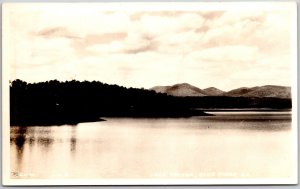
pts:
[56, 103]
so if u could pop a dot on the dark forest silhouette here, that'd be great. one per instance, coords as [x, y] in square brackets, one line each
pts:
[71, 102]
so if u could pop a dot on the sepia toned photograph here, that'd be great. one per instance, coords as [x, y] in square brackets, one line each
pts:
[149, 93]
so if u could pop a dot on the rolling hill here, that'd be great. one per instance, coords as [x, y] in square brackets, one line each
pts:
[263, 91]
[182, 89]
[238, 92]
[185, 89]
[212, 91]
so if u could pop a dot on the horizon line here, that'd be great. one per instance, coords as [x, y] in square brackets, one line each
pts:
[181, 83]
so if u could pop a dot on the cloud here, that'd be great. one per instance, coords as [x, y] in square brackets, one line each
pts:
[269, 31]
[91, 39]
[143, 49]
[211, 15]
[87, 45]
[158, 25]
[133, 43]
[234, 54]
[55, 32]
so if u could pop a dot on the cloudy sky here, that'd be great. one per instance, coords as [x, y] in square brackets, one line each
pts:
[220, 47]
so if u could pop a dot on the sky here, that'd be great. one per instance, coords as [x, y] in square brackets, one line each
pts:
[218, 47]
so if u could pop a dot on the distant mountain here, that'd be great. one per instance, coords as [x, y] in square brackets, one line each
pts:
[212, 91]
[238, 92]
[160, 89]
[263, 91]
[185, 89]
[182, 89]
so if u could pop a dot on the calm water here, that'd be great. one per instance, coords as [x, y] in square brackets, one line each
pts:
[229, 145]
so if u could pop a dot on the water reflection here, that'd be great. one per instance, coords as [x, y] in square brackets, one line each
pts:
[45, 142]
[127, 147]
[73, 139]
[19, 142]
[20, 139]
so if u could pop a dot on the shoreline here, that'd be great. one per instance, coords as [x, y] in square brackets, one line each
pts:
[245, 110]
[202, 113]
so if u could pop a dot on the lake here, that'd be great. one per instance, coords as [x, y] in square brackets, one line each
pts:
[228, 145]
